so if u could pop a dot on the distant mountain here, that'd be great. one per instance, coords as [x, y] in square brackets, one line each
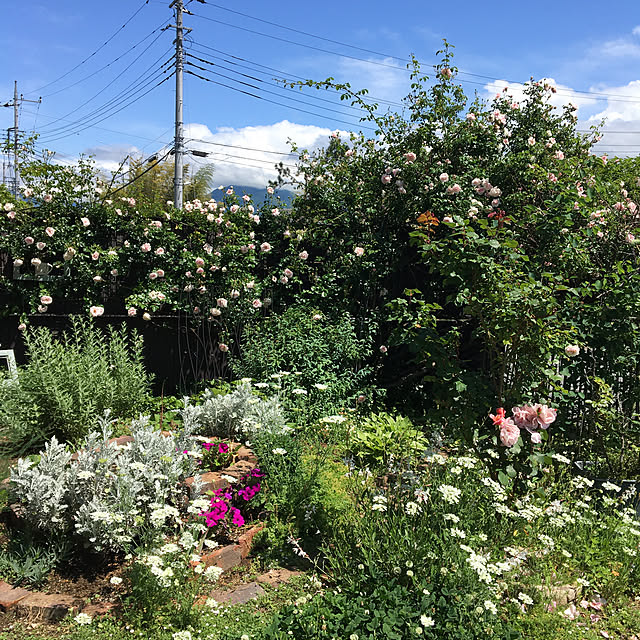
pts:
[257, 195]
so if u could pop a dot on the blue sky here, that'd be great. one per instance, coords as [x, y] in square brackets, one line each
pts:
[99, 108]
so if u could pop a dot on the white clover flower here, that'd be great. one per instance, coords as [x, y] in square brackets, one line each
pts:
[182, 635]
[426, 621]
[83, 618]
[300, 392]
[491, 607]
[457, 533]
[213, 573]
[451, 517]
[524, 598]
[279, 451]
[450, 494]
[411, 508]
[320, 386]
[115, 580]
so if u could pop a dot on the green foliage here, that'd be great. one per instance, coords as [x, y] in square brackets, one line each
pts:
[69, 380]
[383, 441]
[27, 560]
[318, 354]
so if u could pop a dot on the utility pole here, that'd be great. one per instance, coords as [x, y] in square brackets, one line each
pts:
[14, 104]
[178, 143]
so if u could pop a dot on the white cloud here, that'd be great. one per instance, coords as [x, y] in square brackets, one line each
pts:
[109, 157]
[619, 48]
[636, 31]
[623, 103]
[389, 82]
[264, 147]
[564, 95]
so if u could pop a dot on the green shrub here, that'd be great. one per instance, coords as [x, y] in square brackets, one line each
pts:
[322, 354]
[385, 441]
[71, 379]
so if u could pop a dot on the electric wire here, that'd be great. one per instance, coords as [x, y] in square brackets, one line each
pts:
[106, 42]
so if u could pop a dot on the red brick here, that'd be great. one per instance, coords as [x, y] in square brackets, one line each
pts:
[49, 606]
[225, 557]
[100, 609]
[246, 540]
[10, 596]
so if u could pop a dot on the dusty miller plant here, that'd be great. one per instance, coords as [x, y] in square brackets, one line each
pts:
[113, 494]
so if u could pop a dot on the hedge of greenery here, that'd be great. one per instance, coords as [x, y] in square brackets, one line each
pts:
[483, 256]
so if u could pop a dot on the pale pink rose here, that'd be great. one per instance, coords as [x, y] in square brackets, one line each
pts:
[18, 262]
[196, 309]
[160, 251]
[11, 215]
[283, 279]
[509, 432]
[444, 177]
[22, 326]
[222, 302]
[29, 240]
[536, 438]
[265, 247]
[303, 255]
[200, 271]
[146, 316]
[250, 285]
[223, 347]
[235, 294]
[234, 208]
[275, 212]
[572, 350]
[40, 245]
[145, 248]
[48, 197]
[114, 272]
[160, 273]
[359, 251]
[252, 246]
[132, 312]
[383, 349]
[257, 303]
[215, 312]
[531, 141]
[96, 311]
[50, 231]
[448, 219]
[446, 73]
[288, 273]
[471, 116]
[559, 155]
[386, 179]
[95, 255]
[348, 153]
[28, 193]
[153, 275]
[97, 278]
[199, 262]
[410, 157]
[630, 238]
[42, 308]
[36, 262]
[46, 299]
[534, 417]
[453, 189]
[270, 190]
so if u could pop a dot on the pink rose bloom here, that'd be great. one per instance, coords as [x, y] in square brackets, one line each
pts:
[265, 247]
[386, 179]
[160, 251]
[531, 141]
[536, 438]
[446, 73]
[448, 219]
[275, 212]
[358, 251]
[270, 190]
[96, 311]
[42, 308]
[22, 326]
[145, 248]
[153, 275]
[199, 262]
[288, 273]
[509, 432]
[131, 312]
[160, 273]
[410, 156]
[11, 215]
[234, 208]
[257, 303]
[534, 417]
[444, 177]
[303, 255]
[199, 271]
[383, 349]
[572, 350]
[223, 347]
[222, 302]
[454, 188]
[29, 240]
[235, 294]
[40, 245]
[95, 255]
[46, 299]
[471, 116]
[48, 197]
[50, 231]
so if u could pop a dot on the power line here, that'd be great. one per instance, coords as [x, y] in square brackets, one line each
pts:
[91, 75]
[233, 146]
[106, 42]
[253, 95]
[153, 64]
[82, 128]
[602, 95]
